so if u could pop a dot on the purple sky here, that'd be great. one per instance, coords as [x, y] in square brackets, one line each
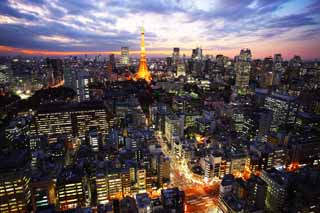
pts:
[218, 26]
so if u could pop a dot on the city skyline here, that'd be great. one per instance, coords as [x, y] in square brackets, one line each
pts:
[159, 106]
[57, 28]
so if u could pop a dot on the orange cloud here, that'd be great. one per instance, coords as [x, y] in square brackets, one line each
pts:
[307, 51]
[13, 50]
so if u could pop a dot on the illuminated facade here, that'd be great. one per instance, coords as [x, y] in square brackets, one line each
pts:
[284, 109]
[114, 185]
[15, 193]
[43, 194]
[163, 170]
[124, 56]
[141, 179]
[94, 140]
[175, 55]
[243, 68]
[102, 189]
[72, 120]
[143, 72]
[173, 127]
[181, 69]
[276, 189]
[72, 190]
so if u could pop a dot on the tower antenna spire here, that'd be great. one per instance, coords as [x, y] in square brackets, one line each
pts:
[143, 72]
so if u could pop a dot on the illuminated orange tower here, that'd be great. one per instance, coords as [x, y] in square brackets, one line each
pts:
[143, 72]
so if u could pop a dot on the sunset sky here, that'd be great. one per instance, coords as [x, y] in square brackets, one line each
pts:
[71, 27]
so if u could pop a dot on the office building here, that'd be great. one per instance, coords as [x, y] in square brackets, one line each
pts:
[112, 64]
[72, 189]
[176, 55]
[70, 120]
[95, 139]
[181, 69]
[242, 69]
[79, 81]
[163, 170]
[15, 193]
[197, 54]
[102, 189]
[174, 126]
[43, 193]
[124, 60]
[284, 109]
[277, 183]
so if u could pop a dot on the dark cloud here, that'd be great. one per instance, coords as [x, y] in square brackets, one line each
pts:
[292, 21]
[5, 9]
[141, 6]
[78, 20]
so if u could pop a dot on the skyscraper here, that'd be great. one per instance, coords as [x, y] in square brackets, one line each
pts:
[111, 64]
[124, 56]
[143, 72]
[55, 68]
[284, 109]
[277, 69]
[175, 55]
[79, 81]
[277, 183]
[242, 68]
[197, 53]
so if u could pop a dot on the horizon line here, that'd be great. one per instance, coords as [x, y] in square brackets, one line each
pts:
[37, 52]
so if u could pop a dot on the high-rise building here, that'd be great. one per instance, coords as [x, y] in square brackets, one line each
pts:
[193, 54]
[242, 69]
[173, 127]
[79, 81]
[277, 69]
[181, 69]
[124, 56]
[43, 193]
[102, 189]
[283, 107]
[5, 74]
[197, 54]
[163, 169]
[278, 58]
[55, 71]
[277, 183]
[82, 86]
[72, 189]
[143, 72]
[15, 191]
[114, 184]
[70, 120]
[112, 64]
[169, 61]
[141, 179]
[94, 139]
[175, 55]
[257, 191]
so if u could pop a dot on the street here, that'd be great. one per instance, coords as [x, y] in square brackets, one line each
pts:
[199, 196]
